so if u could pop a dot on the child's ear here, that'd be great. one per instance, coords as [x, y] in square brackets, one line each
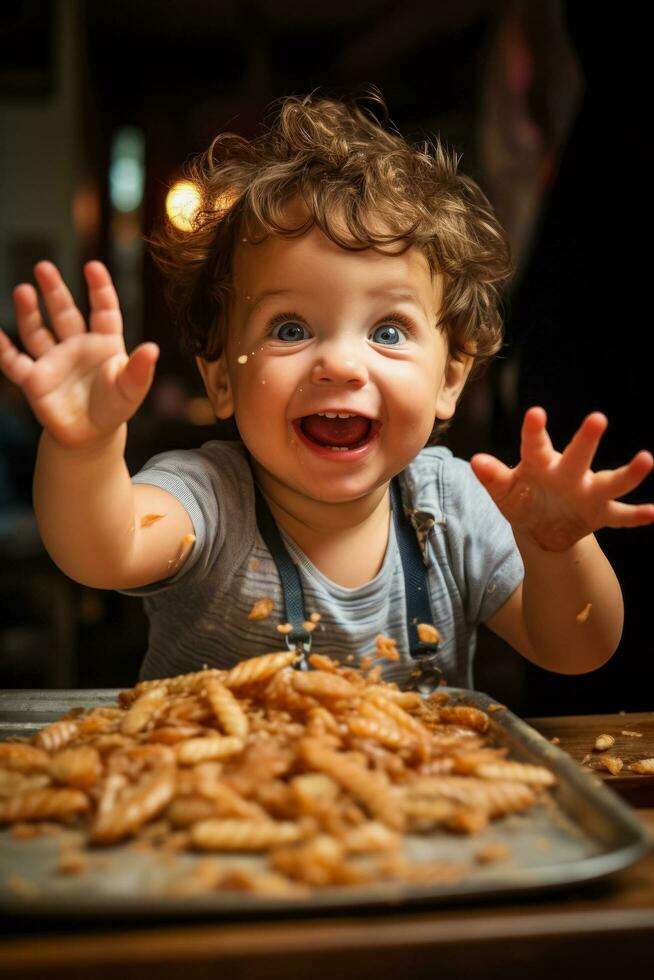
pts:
[454, 378]
[219, 388]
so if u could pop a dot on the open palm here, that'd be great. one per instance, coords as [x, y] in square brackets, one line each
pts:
[555, 498]
[80, 384]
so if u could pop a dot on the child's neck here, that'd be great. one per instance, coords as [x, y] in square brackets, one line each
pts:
[346, 541]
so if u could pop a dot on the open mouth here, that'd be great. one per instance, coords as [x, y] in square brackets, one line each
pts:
[337, 432]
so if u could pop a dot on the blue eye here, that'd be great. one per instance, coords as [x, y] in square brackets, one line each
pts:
[291, 331]
[388, 335]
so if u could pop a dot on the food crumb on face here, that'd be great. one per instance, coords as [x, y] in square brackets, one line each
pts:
[315, 617]
[626, 731]
[603, 742]
[243, 359]
[582, 616]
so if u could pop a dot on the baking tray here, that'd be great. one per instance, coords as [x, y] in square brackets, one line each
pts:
[582, 832]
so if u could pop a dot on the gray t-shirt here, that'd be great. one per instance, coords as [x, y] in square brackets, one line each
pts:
[199, 616]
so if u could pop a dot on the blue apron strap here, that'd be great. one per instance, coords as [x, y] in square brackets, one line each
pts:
[418, 609]
[299, 638]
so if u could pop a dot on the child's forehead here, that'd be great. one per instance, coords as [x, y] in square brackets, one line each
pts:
[283, 262]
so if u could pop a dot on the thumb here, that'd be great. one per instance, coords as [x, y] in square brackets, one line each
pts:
[135, 377]
[495, 476]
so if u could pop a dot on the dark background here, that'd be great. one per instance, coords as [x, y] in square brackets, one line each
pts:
[544, 102]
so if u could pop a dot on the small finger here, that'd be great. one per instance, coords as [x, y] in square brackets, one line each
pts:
[617, 483]
[14, 365]
[105, 309]
[34, 334]
[578, 455]
[65, 318]
[535, 446]
[135, 378]
[495, 476]
[628, 515]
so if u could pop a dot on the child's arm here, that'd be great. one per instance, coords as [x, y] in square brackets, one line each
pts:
[82, 387]
[554, 503]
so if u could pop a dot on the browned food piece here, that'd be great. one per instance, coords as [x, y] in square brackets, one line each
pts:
[242, 835]
[56, 735]
[604, 742]
[612, 762]
[261, 609]
[258, 668]
[463, 715]
[80, 767]
[428, 633]
[23, 758]
[643, 766]
[43, 804]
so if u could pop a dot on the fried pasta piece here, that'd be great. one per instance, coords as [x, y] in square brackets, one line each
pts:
[258, 668]
[229, 713]
[643, 766]
[322, 771]
[428, 633]
[463, 715]
[386, 648]
[55, 736]
[261, 609]
[23, 758]
[80, 767]
[369, 788]
[515, 772]
[612, 762]
[42, 804]
[134, 807]
[604, 742]
[242, 835]
[323, 685]
[143, 711]
[195, 750]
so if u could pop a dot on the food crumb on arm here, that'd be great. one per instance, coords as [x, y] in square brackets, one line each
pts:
[149, 519]
[582, 616]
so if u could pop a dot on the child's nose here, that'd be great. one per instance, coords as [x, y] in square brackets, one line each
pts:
[338, 364]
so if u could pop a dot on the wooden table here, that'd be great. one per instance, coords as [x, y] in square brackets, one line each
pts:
[601, 930]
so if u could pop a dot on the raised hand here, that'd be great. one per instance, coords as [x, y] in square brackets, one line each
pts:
[554, 498]
[80, 384]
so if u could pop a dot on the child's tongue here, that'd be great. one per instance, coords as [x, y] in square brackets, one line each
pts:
[336, 432]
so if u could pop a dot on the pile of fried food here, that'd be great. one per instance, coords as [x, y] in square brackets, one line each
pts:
[322, 772]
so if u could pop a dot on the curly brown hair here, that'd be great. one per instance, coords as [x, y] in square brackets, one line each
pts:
[364, 187]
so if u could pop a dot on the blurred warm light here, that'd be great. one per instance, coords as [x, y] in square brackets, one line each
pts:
[87, 210]
[182, 204]
[200, 412]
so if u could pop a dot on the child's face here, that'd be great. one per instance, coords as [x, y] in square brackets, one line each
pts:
[326, 341]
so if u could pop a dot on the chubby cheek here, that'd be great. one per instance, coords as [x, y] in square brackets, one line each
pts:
[260, 400]
[411, 404]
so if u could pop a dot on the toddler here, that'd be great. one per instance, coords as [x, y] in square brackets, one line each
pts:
[337, 288]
